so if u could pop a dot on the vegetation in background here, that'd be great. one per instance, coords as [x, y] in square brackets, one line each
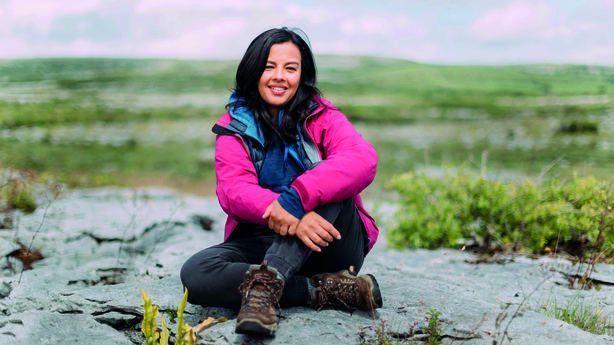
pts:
[371, 89]
[65, 111]
[93, 165]
[575, 216]
[51, 95]
[580, 126]
[15, 192]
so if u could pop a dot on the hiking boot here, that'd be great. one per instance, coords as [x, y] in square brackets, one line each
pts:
[260, 291]
[344, 289]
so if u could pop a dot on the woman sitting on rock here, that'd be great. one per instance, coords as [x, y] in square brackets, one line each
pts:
[289, 169]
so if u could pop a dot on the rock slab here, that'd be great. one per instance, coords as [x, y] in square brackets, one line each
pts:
[101, 246]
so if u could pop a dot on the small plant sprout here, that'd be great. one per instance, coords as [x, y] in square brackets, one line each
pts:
[186, 334]
[434, 327]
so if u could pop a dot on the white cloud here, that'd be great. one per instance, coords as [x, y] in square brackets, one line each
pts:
[40, 13]
[182, 5]
[11, 46]
[524, 30]
[517, 19]
[344, 47]
[594, 55]
[381, 25]
[207, 40]
[422, 52]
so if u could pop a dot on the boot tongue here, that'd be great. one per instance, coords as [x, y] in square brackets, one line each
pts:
[263, 274]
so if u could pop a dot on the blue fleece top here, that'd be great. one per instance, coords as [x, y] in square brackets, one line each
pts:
[278, 172]
[281, 164]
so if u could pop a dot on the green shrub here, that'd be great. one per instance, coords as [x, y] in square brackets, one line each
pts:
[23, 200]
[579, 126]
[439, 212]
[15, 191]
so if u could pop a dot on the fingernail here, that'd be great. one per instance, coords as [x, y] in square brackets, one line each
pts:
[319, 249]
[339, 237]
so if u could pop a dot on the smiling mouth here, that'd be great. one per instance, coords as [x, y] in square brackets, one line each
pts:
[278, 90]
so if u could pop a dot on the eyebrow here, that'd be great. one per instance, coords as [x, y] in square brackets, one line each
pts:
[287, 63]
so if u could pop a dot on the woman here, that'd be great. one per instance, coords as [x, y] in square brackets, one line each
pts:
[289, 169]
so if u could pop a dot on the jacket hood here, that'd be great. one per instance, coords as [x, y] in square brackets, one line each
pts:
[245, 116]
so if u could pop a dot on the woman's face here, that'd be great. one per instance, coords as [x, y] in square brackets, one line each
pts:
[281, 76]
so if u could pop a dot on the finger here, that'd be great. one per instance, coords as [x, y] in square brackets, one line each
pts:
[329, 228]
[283, 231]
[267, 212]
[292, 230]
[315, 238]
[310, 244]
[325, 235]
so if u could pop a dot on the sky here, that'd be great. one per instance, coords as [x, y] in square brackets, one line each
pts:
[431, 31]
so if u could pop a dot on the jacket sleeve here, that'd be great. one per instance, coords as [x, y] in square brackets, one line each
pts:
[237, 183]
[349, 165]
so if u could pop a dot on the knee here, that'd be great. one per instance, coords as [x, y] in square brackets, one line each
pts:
[194, 278]
[195, 270]
[187, 277]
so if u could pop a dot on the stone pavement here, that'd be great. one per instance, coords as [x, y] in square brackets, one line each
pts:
[102, 245]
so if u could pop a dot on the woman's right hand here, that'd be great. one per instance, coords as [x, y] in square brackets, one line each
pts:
[315, 231]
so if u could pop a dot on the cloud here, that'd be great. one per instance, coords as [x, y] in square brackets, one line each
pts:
[594, 55]
[471, 31]
[191, 5]
[40, 13]
[381, 25]
[420, 52]
[11, 46]
[520, 18]
[206, 40]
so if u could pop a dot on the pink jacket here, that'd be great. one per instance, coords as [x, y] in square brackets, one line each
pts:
[348, 166]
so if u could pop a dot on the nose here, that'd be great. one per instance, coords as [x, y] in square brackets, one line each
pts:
[279, 73]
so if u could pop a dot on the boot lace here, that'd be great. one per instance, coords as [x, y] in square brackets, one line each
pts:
[260, 301]
[339, 295]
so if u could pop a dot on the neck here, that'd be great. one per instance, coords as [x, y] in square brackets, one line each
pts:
[274, 112]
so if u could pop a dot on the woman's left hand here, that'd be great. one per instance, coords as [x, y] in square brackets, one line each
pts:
[280, 220]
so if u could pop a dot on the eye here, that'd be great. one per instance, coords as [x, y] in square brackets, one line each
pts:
[269, 67]
[292, 68]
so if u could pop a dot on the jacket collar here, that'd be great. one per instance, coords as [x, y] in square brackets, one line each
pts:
[246, 117]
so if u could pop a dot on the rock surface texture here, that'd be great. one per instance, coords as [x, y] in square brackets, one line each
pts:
[100, 246]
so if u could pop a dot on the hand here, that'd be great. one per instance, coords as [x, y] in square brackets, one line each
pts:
[316, 231]
[280, 220]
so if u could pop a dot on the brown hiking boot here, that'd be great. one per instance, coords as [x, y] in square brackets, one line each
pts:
[261, 291]
[344, 289]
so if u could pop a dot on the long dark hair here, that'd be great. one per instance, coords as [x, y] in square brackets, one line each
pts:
[249, 72]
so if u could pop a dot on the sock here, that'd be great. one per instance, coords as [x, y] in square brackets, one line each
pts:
[281, 276]
[310, 289]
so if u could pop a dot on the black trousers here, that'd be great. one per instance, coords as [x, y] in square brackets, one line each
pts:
[213, 275]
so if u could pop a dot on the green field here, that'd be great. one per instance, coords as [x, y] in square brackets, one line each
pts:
[137, 122]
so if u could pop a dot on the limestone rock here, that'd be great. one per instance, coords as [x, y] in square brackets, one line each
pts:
[102, 245]
[7, 247]
[41, 327]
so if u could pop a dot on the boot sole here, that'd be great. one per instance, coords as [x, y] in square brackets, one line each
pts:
[376, 294]
[255, 327]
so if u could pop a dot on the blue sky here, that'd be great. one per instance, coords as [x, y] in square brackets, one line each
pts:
[434, 31]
